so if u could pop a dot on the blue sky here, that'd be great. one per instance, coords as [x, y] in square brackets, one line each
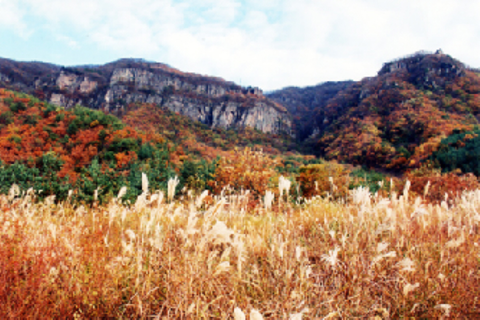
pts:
[265, 43]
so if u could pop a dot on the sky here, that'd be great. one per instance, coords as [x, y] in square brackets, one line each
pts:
[262, 43]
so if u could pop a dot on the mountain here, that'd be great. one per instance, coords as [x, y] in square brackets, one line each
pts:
[111, 87]
[302, 103]
[418, 115]
[395, 121]
[398, 119]
[49, 148]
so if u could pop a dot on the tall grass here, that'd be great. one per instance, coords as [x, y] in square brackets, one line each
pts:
[368, 256]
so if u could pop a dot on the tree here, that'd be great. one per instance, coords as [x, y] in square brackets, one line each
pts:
[248, 170]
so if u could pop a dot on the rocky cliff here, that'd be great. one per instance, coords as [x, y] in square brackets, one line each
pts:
[110, 87]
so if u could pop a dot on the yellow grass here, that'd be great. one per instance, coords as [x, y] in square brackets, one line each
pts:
[360, 257]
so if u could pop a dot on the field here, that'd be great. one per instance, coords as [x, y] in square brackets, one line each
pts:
[203, 257]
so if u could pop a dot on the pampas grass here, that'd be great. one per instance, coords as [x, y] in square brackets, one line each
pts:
[284, 186]
[366, 257]
[268, 199]
[172, 184]
[238, 314]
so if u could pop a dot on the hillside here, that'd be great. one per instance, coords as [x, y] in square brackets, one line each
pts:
[111, 87]
[197, 138]
[419, 111]
[45, 147]
[397, 120]
[302, 103]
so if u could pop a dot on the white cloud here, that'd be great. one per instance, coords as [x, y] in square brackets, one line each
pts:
[69, 41]
[266, 43]
[11, 18]
[222, 12]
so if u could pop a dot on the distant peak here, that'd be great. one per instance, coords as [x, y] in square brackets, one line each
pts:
[424, 62]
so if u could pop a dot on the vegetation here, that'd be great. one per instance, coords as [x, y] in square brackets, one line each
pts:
[460, 151]
[327, 179]
[50, 149]
[363, 177]
[302, 103]
[156, 216]
[395, 121]
[362, 256]
[94, 154]
[197, 139]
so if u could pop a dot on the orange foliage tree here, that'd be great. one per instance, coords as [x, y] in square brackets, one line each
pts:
[247, 170]
[440, 186]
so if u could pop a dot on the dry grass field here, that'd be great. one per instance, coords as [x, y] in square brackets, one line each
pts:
[364, 256]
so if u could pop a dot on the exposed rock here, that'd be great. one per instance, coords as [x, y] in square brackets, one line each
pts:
[73, 83]
[231, 114]
[57, 99]
[65, 81]
[4, 78]
[426, 69]
[111, 87]
[87, 86]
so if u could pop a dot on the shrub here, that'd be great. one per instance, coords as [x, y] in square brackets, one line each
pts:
[440, 185]
[17, 106]
[250, 170]
[322, 179]
[367, 178]
[459, 151]
[6, 118]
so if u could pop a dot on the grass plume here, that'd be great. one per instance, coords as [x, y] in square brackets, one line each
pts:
[365, 257]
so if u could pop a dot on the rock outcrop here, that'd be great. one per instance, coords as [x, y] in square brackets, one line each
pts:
[427, 70]
[113, 86]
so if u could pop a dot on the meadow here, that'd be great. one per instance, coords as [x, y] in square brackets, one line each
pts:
[200, 256]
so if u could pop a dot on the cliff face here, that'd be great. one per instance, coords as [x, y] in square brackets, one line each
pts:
[111, 87]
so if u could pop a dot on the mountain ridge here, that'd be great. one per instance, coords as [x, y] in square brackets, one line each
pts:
[394, 121]
[111, 87]
[397, 119]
